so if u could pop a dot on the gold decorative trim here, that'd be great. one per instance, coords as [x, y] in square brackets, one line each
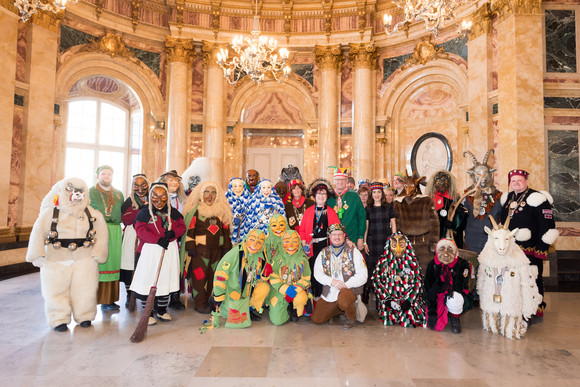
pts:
[424, 52]
[363, 55]
[178, 50]
[209, 51]
[216, 6]
[327, 9]
[179, 7]
[99, 8]
[9, 5]
[506, 8]
[287, 6]
[329, 57]
[110, 44]
[361, 6]
[135, 6]
[48, 20]
[481, 19]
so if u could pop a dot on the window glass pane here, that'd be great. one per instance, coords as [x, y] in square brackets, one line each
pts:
[117, 161]
[80, 163]
[113, 125]
[135, 164]
[136, 129]
[82, 121]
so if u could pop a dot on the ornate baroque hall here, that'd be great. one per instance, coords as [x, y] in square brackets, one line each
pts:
[142, 83]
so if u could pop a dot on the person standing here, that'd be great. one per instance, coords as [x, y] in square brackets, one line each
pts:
[349, 208]
[530, 211]
[296, 204]
[108, 201]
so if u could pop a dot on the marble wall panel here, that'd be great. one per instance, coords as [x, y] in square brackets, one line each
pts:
[457, 46]
[564, 174]
[345, 23]
[147, 15]
[191, 18]
[561, 103]
[21, 51]
[560, 41]
[346, 152]
[195, 149]
[273, 108]
[305, 71]
[495, 134]
[197, 86]
[15, 164]
[150, 59]
[70, 37]
[163, 73]
[346, 91]
[307, 25]
[123, 8]
[390, 65]
[562, 120]
[494, 56]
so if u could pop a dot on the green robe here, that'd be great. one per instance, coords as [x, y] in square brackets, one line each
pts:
[354, 217]
[110, 270]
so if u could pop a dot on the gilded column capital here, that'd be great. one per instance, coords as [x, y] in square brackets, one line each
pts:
[209, 51]
[481, 20]
[506, 8]
[48, 20]
[178, 50]
[363, 55]
[329, 57]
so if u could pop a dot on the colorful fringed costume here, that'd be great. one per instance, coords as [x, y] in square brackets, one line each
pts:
[263, 203]
[398, 284]
[238, 204]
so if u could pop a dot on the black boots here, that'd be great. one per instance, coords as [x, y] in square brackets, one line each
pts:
[175, 302]
[455, 324]
[365, 295]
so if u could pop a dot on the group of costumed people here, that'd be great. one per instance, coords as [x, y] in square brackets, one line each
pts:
[317, 251]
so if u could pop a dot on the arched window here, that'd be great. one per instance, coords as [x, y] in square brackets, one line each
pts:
[100, 132]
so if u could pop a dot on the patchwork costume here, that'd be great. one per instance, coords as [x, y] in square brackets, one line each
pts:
[290, 281]
[68, 241]
[398, 283]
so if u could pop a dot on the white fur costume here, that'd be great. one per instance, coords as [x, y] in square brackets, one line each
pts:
[519, 296]
[69, 279]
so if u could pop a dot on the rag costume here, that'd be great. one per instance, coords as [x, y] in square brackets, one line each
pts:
[238, 204]
[238, 284]
[447, 290]
[261, 207]
[129, 210]
[157, 230]
[206, 240]
[290, 280]
[398, 284]
[343, 263]
[68, 241]
[506, 284]
[531, 213]
[295, 208]
[109, 204]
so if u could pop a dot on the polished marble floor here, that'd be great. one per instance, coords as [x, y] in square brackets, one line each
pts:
[176, 354]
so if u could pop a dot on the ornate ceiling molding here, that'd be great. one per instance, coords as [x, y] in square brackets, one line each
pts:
[481, 19]
[329, 57]
[506, 8]
[48, 20]
[424, 52]
[110, 44]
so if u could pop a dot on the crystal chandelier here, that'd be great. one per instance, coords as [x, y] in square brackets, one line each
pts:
[433, 13]
[29, 7]
[255, 56]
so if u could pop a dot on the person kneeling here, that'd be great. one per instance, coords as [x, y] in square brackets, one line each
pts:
[447, 287]
[341, 270]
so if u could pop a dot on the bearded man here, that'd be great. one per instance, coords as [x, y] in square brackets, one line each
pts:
[208, 218]
[108, 201]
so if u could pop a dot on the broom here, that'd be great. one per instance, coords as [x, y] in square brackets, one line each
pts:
[141, 330]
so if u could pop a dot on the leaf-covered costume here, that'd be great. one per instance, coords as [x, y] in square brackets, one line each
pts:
[260, 209]
[238, 205]
[290, 281]
[400, 280]
[238, 285]
[273, 244]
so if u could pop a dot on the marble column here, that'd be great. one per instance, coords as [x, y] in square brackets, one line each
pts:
[480, 135]
[520, 93]
[363, 57]
[329, 60]
[179, 56]
[214, 111]
[9, 33]
[37, 176]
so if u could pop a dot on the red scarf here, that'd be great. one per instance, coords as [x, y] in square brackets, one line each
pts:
[439, 202]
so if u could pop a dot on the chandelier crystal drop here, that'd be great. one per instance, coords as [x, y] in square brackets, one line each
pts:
[433, 13]
[254, 56]
[29, 7]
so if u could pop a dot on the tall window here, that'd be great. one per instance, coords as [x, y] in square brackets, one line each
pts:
[100, 132]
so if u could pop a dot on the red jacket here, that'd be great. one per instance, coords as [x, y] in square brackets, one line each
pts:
[307, 224]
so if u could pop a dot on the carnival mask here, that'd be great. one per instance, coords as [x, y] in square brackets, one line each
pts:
[442, 183]
[238, 187]
[75, 194]
[291, 242]
[252, 177]
[266, 188]
[159, 197]
[278, 224]
[140, 187]
[255, 241]
[172, 184]
[446, 251]
[209, 195]
[398, 245]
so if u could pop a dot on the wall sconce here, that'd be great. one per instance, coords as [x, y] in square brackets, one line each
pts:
[231, 140]
[381, 135]
[312, 142]
[159, 130]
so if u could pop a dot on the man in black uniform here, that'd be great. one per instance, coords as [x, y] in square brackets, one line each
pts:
[531, 212]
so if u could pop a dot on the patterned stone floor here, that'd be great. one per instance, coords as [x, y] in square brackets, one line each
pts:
[176, 354]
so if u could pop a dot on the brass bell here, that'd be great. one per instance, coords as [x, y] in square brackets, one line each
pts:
[54, 220]
[87, 243]
[56, 245]
[94, 240]
[47, 242]
[72, 246]
[92, 233]
[497, 298]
